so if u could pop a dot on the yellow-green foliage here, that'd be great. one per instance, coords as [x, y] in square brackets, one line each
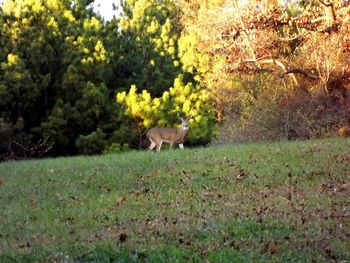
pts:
[154, 19]
[186, 99]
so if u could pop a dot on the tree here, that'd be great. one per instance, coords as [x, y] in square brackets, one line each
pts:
[151, 31]
[55, 76]
[149, 34]
[303, 43]
[28, 62]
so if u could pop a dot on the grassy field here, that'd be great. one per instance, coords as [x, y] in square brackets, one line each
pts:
[278, 202]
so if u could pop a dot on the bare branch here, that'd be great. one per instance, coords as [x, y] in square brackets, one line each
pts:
[266, 60]
[301, 71]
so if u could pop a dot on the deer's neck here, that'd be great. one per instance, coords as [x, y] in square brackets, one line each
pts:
[182, 132]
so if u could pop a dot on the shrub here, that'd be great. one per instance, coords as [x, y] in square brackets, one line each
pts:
[92, 143]
[188, 100]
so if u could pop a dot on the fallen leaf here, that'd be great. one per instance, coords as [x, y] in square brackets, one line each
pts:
[122, 238]
[242, 174]
[119, 201]
[135, 193]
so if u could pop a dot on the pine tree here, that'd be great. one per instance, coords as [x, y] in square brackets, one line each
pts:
[149, 35]
[55, 75]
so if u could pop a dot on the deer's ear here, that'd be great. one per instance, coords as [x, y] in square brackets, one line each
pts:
[181, 118]
[178, 116]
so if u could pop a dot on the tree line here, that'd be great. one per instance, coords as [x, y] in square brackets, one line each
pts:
[72, 83]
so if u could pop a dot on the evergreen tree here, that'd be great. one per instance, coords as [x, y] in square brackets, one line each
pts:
[153, 65]
[54, 76]
[150, 30]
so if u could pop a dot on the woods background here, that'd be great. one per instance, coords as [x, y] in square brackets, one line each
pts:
[72, 83]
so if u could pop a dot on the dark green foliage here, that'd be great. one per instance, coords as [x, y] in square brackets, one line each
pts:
[53, 64]
[92, 143]
[54, 76]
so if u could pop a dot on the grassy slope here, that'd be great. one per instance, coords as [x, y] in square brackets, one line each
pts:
[285, 201]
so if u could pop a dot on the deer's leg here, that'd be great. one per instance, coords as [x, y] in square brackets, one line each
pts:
[153, 144]
[159, 145]
[181, 145]
[171, 145]
[151, 147]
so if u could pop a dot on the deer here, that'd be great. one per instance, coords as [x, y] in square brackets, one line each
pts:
[173, 136]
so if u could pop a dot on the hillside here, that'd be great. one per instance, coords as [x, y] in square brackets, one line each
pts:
[285, 202]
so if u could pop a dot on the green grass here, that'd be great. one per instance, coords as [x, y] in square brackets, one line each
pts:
[278, 202]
